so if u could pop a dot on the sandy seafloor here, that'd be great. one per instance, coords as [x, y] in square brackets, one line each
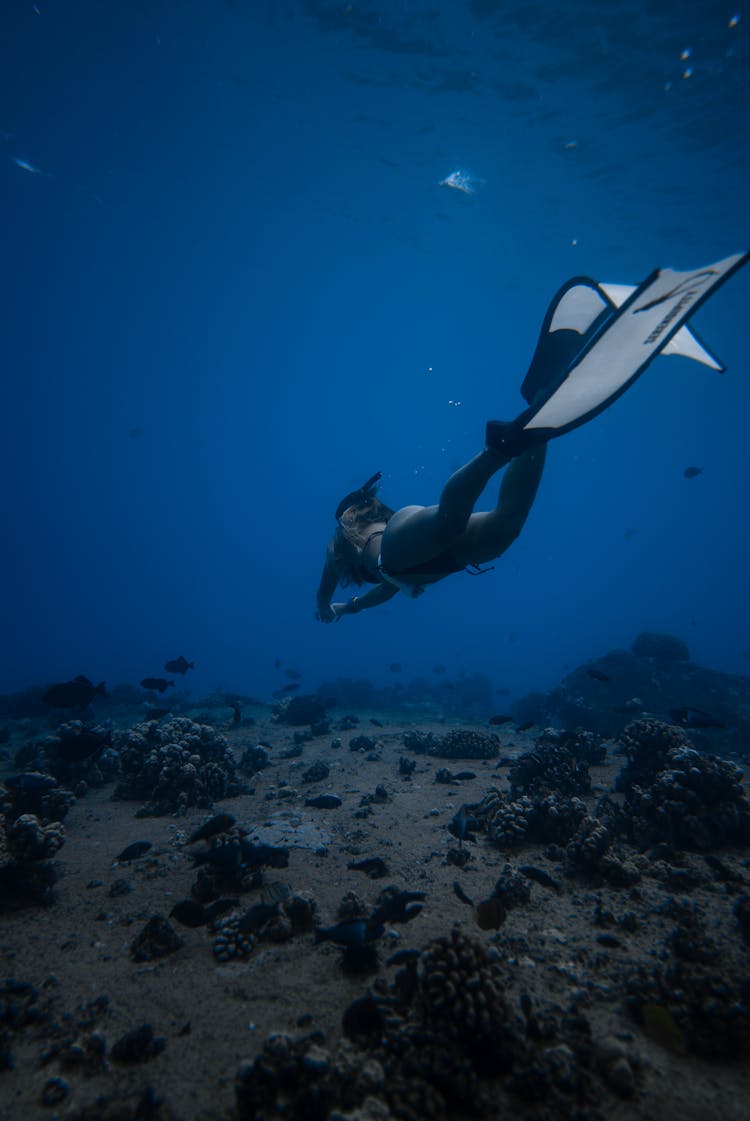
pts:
[77, 949]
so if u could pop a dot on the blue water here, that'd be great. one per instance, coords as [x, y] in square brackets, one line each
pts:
[232, 289]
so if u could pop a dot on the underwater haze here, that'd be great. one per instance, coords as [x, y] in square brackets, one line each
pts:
[238, 278]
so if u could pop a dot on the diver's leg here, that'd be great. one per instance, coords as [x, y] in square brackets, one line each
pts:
[418, 533]
[490, 533]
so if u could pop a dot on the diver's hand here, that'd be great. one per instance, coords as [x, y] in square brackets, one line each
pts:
[328, 613]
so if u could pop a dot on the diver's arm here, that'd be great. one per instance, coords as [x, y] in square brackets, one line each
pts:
[328, 582]
[381, 593]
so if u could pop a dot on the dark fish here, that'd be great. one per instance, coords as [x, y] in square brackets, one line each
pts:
[132, 852]
[439, 668]
[219, 823]
[277, 663]
[156, 683]
[373, 866]
[218, 908]
[258, 915]
[351, 932]
[292, 674]
[395, 905]
[395, 667]
[179, 665]
[86, 745]
[461, 825]
[292, 687]
[404, 957]
[80, 691]
[502, 691]
[694, 718]
[597, 674]
[258, 855]
[30, 782]
[490, 913]
[629, 534]
[525, 726]
[226, 858]
[692, 472]
[189, 913]
[539, 876]
[461, 894]
[500, 719]
[446, 776]
[324, 802]
[377, 723]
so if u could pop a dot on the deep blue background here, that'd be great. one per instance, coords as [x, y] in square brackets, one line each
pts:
[234, 290]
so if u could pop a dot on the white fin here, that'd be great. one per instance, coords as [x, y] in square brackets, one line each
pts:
[684, 343]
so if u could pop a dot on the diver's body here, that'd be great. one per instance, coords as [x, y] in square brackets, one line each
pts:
[415, 546]
[596, 340]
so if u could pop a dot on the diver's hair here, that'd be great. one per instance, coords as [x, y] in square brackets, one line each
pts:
[351, 535]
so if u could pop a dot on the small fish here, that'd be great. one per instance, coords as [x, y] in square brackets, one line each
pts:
[692, 472]
[629, 534]
[439, 668]
[694, 718]
[258, 855]
[26, 166]
[395, 905]
[134, 851]
[525, 726]
[225, 857]
[502, 691]
[376, 723]
[291, 687]
[539, 876]
[446, 776]
[219, 823]
[292, 674]
[79, 692]
[277, 663]
[597, 674]
[218, 908]
[404, 957]
[373, 866]
[258, 915]
[86, 745]
[156, 684]
[395, 667]
[500, 718]
[351, 932]
[30, 782]
[324, 802]
[179, 665]
[461, 181]
[462, 824]
[189, 913]
[461, 894]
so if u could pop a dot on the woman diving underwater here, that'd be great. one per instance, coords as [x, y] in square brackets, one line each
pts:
[596, 340]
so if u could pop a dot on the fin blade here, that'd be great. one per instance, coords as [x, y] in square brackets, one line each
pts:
[619, 349]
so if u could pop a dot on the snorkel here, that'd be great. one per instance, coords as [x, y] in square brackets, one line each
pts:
[360, 496]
